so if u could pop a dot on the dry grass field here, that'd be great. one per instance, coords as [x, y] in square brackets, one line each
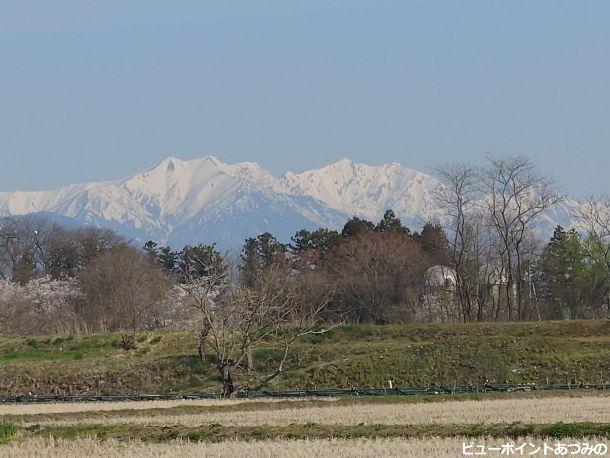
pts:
[347, 427]
[76, 407]
[544, 410]
[358, 448]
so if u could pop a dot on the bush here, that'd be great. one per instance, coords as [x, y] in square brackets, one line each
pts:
[7, 430]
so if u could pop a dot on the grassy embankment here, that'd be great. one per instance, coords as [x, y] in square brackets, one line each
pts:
[364, 355]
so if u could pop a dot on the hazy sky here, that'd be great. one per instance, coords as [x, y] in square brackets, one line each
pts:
[100, 89]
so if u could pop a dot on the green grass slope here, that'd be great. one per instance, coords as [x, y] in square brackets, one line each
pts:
[363, 355]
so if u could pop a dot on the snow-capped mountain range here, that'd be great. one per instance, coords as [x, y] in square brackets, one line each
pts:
[206, 200]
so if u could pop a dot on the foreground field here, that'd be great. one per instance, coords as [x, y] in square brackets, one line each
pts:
[357, 448]
[359, 427]
[435, 425]
[365, 355]
[540, 411]
[98, 407]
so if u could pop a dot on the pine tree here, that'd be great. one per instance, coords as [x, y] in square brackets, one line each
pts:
[433, 241]
[168, 259]
[152, 249]
[257, 255]
[198, 261]
[163, 256]
[357, 226]
[320, 240]
[564, 272]
[390, 223]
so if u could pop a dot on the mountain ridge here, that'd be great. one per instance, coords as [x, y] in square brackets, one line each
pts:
[206, 200]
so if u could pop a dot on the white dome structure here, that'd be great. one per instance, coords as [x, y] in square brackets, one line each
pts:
[441, 277]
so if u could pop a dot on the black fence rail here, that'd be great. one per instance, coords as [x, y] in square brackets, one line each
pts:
[337, 392]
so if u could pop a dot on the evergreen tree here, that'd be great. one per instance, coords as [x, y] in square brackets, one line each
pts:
[564, 272]
[152, 249]
[258, 254]
[390, 223]
[198, 261]
[356, 226]
[168, 259]
[163, 256]
[320, 240]
[433, 241]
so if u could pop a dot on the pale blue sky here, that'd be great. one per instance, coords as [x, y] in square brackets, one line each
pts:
[100, 89]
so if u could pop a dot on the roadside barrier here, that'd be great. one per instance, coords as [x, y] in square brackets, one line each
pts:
[334, 392]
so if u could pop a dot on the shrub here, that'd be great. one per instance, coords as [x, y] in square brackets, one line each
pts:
[7, 430]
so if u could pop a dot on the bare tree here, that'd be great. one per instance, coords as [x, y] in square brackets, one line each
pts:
[122, 290]
[378, 277]
[203, 283]
[515, 196]
[459, 199]
[594, 219]
[22, 247]
[31, 246]
[237, 320]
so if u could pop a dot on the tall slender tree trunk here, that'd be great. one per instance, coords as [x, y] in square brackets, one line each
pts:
[509, 287]
[228, 388]
[203, 337]
[249, 356]
[519, 284]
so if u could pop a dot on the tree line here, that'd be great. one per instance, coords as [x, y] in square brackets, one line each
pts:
[501, 268]
[482, 262]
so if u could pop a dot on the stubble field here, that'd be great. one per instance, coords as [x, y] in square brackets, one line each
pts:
[359, 427]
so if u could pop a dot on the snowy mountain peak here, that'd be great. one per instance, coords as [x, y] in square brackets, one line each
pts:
[367, 191]
[206, 200]
[342, 164]
[171, 163]
[168, 164]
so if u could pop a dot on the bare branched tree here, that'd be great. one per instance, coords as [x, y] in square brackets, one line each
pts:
[515, 196]
[22, 247]
[122, 290]
[203, 283]
[594, 219]
[237, 320]
[378, 277]
[459, 199]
